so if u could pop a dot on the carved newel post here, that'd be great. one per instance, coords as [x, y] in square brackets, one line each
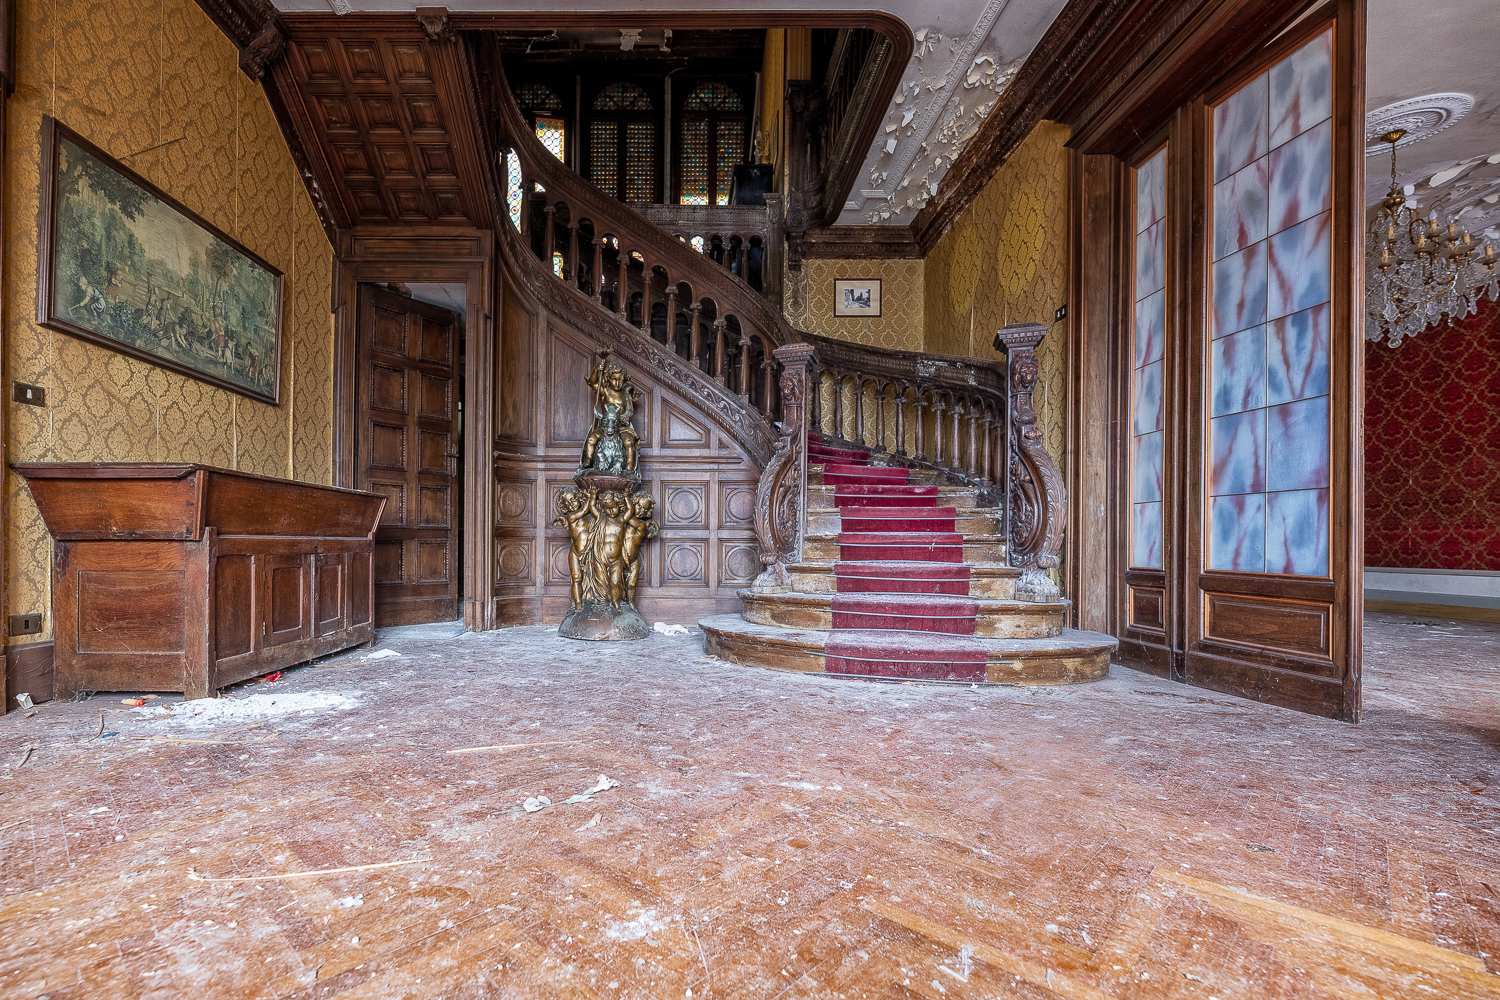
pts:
[607, 518]
[1038, 499]
[781, 493]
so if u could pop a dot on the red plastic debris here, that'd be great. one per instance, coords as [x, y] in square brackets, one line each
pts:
[274, 675]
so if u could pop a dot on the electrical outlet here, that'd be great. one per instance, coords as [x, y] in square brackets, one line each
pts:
[33, 394]
[1060, 315]
[26, 624]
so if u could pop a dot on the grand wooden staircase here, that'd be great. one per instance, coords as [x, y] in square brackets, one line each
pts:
[905, 513]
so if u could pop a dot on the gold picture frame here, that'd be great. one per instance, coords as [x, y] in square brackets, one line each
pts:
[857, 297]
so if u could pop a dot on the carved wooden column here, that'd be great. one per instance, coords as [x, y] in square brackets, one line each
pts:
[958, 451]
[719, 358]
[744, 363]
[526, 194]
[1038, 499]
[671, 331]
[938, 409]
[901, 422]
[622, 287]
[696, 344]
[768, 367]
[838, 404]
[858, 399]
[781, 493]
[646, 277]
[880, 416]
[916, 451]
[573, 268]
[815, 400]
[986, 467]
[549, 237]
[597, 281]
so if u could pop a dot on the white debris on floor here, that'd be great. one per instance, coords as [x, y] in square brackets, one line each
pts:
[215, 713]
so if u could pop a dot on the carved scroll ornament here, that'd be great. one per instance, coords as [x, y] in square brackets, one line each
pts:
[1038, 498]
[781, 493]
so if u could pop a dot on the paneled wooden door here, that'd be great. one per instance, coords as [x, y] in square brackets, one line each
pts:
[1243, 388]
[407, 447]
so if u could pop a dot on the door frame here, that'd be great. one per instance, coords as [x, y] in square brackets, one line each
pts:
[386, 254]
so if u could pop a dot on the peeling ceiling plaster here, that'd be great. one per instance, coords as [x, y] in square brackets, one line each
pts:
[1449, 47]
[967, 52]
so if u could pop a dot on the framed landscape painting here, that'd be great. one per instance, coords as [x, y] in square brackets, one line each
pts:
[859, 297]
[125, 266]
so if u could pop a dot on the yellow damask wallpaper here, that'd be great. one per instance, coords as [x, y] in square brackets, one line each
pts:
[158, 86]
[809, 302]
[1006, 261]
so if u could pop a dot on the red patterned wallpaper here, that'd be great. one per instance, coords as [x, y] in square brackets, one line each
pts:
[1432, 447]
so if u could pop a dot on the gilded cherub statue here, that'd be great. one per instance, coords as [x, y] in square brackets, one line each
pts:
[614, 408]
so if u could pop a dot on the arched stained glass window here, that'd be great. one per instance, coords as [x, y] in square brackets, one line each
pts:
[622, 97]
[513, 192]
[622, 143]
[544, 110]
[711, 140]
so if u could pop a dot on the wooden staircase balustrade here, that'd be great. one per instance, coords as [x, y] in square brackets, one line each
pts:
[641, 273]
[746, 240]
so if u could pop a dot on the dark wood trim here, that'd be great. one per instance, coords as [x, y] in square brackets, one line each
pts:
[377, 255]
[53, 131]
[1453, 611]
[240, 20]
[866, 110]
[28, 669]
[860, 243]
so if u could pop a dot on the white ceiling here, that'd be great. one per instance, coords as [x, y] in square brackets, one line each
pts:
[1435, 47]
[968, 51]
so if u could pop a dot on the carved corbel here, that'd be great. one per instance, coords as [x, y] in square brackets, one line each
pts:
[1038, 498]
[781, 493]
[435, 23]
[261, 51]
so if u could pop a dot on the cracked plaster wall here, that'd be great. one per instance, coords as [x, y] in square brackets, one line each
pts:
[158, 83]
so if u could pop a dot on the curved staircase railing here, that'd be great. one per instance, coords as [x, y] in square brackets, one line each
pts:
[701, 311]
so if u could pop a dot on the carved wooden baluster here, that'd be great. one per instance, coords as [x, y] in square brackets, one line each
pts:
[549, 238]
[696, 345]
[573, 269]
[901, 419]
[596, 283]
[719, 358]
[858, 398]
[970, 411]
[768, 367]
[838, 404]
[1038, 499]
[986, 465]
[671, 331]
[814, 400]
[527, 187]
[744, 363]
[880, 388]
[781, 493]
[917, 450]
[646, 277]
[622, 286]
[938, 409]
[958, 447]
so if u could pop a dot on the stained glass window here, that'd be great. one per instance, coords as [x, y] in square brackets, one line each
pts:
[696, 243]
[713, 97]
[550, 131]
[640, 161]
[604, 162]
[513, 192]
[1148, 340]
[1268, 458]
[693, 152]
[538, 97]
[731, 145]
[559, 266]
[622, 97]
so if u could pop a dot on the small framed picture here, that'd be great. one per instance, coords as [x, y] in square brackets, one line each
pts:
[856, 297]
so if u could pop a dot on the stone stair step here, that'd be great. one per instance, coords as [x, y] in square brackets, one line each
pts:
[914, 546]
[992, 618]
[978, 550]
[860, 495]
[993, 582]
[891, 576]
[1070, 657]
[961, 497]
[899, 519]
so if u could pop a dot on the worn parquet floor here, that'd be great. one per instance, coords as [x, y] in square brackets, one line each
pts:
[772, 835]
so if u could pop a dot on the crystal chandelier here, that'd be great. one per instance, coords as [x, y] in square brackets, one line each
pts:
[1417, 270]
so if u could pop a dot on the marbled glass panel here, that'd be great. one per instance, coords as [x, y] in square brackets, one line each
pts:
[1238, 371]
[1240, 290]
[1148, 409]
[1297, 356]
[1237, 533]
[1299, 266]
[1150, 260]
[1297, 532]
[1150, 328]
[1240, 209]
[1151, 191]
[1301, 89]
[1297, 445]
[1145, 542]
[1241, 135]
[1237, 447]
[1148, 466]
[1302, 177]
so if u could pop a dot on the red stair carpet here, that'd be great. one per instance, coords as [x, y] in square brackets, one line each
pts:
[902, 607]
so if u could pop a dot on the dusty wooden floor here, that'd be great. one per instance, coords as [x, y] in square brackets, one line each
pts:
[771, 835]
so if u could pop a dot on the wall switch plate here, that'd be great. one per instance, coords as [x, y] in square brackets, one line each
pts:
[26, 624]
[1060, 315]
[33, 394]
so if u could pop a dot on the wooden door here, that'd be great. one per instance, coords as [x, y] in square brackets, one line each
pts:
[407, 447]
[1241, 383]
